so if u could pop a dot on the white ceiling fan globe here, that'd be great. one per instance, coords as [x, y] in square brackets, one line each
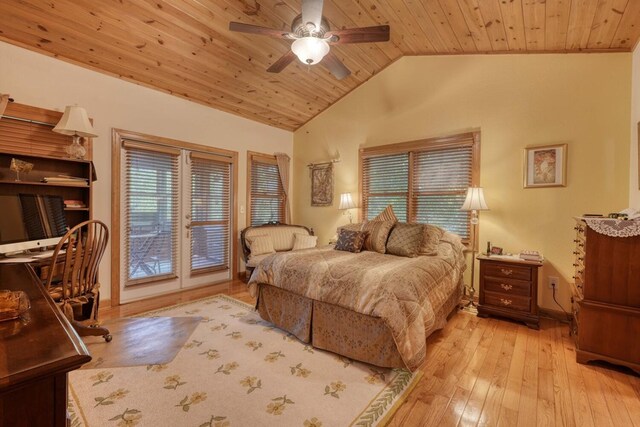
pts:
[310, 50]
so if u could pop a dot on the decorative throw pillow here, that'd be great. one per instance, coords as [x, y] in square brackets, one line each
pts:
[377, 234]
[261, 245]
[430, 240]
[304, 241]
[353, 227]
[405, 239]
[386, 215]
[350, 241]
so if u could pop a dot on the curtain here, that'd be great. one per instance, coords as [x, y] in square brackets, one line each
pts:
[283, 161]
[4, 100]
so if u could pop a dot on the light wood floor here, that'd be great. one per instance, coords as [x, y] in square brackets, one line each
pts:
[490, 372]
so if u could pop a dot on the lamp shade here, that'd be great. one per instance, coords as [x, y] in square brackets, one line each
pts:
[346, 201]
[474, 200]
[75, 122]
[310, 50]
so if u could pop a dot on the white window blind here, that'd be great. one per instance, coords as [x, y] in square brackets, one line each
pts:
[210, 212]
[425, 182]
[267, 197]
[151, 211]
[385, 181]
[440, 182]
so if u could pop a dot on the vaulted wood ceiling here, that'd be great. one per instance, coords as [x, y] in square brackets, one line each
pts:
[183, 47]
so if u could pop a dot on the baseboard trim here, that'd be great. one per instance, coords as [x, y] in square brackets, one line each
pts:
[555, 315]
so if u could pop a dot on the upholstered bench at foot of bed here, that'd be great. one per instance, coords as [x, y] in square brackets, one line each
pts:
[330, 327]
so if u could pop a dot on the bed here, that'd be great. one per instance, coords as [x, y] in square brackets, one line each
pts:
[367, 306]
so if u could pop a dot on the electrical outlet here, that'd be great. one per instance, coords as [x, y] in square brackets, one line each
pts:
[553, 282]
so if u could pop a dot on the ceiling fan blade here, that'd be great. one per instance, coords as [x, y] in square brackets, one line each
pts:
[337, 68]
[312, 12]
[256, 29]
[379, 33]
[282, 63]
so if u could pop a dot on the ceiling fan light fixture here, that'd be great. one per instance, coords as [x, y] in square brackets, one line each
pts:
[310, 50]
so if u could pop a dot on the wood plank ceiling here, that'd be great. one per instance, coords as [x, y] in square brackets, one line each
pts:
[183, 47]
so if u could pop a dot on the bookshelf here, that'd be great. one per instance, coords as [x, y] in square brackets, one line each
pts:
[45, 149]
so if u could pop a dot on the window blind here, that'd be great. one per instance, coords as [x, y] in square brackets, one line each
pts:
[151, 211]
[25, 130]
[210, 212]
[385, 181]
[440, 181]
[267, 196]
[425, 181]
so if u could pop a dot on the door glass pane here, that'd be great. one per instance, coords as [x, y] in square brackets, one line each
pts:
[151, 213]
[210, 214]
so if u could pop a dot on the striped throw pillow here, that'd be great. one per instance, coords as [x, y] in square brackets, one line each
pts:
[386, 215]
[261, 245]
[377, 234]
[303, 241]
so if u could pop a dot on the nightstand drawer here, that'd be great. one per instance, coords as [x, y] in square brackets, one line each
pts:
[511, 302]
[507, 287]
[508, 271]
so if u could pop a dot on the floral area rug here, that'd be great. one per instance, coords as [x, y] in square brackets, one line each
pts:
[238, 370]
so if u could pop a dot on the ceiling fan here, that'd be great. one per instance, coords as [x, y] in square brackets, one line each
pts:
[312, 38]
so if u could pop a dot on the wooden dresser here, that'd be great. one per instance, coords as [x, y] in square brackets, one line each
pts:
[509, 288]
[606, 297]
[36, 353]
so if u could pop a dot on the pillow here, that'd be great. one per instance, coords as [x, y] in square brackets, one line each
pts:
[430, 240]
[353, 227]
[304, 241]
[377, 234]
[260, 245]
[386, 215]
[405, 239]
[350, 241]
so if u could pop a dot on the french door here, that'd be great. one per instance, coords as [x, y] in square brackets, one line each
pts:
[176, 215]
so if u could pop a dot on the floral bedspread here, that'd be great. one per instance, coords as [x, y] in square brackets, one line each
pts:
[409, 294]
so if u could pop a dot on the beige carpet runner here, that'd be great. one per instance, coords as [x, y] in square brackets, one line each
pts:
[238, 370]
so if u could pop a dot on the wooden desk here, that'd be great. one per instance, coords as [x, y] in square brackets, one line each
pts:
[36, 356]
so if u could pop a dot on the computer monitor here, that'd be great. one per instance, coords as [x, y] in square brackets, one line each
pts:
[30, 221]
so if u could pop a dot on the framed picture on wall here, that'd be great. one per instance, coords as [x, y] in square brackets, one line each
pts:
[545, 166]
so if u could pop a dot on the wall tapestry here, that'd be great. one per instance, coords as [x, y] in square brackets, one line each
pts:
[322, 184]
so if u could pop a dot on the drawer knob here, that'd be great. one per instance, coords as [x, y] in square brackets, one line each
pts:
[506, 272]
[506, 287]
[505, 301]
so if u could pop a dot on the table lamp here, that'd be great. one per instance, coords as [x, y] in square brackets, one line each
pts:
[346, 203]
[75, 122]
[474, 202]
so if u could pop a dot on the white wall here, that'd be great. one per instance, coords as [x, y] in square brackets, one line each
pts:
[634, 188]
[42, 81]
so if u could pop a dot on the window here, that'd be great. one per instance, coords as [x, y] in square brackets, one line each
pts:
[266, 198]
[151, 211]
[425, 181]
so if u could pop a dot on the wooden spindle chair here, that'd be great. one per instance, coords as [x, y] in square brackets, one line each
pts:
[72, 280]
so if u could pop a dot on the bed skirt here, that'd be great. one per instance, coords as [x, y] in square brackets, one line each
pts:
[333, 328]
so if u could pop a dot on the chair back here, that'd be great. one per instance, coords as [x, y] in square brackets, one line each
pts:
[78, 256]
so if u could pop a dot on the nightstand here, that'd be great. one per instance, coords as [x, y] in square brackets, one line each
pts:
[509, 288]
